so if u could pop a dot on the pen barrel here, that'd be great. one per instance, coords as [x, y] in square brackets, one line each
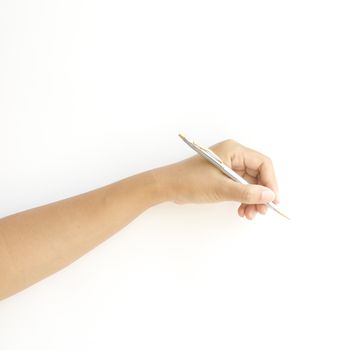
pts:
[233, 175]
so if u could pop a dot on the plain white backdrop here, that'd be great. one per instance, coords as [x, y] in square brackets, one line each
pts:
[94, 91]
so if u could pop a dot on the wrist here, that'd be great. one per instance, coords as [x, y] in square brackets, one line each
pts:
[164, 186]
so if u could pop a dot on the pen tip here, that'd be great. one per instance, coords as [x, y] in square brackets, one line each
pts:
[287, 217]
[182, 135]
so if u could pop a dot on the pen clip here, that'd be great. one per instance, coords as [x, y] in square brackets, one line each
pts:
[209, 152]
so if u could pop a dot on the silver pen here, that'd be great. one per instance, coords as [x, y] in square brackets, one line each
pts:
[216, 161]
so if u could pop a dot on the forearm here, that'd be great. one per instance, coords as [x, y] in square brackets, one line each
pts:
[40, 241]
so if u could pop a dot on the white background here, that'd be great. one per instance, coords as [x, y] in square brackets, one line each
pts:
[94, 91]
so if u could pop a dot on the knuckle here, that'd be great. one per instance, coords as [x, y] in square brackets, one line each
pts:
[268, 159]
[248, 195]
[229, 142]
[229, 145]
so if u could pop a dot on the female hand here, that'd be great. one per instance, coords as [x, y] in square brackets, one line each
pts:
[37, 242]
[195, 180]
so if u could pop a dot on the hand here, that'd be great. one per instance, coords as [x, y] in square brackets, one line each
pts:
[195, 180]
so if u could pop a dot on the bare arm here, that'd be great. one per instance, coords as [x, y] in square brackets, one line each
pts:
[40, 241]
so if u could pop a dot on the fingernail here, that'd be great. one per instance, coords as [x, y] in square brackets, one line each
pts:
[267, 196]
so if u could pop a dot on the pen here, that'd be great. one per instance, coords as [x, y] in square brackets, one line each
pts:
[216, 161]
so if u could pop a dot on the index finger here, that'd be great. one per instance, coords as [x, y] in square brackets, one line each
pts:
[265, 171]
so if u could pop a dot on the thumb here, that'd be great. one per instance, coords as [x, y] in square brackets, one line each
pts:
[251, 194]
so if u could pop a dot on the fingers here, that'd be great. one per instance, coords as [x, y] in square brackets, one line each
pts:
[262, 166]
[268, 177]
[249, 178]
[250, 210]
[241, 209]
[262, 208]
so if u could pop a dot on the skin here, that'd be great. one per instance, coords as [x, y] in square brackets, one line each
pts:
[38, 242]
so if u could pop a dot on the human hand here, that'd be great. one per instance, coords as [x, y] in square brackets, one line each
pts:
[195, 180]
